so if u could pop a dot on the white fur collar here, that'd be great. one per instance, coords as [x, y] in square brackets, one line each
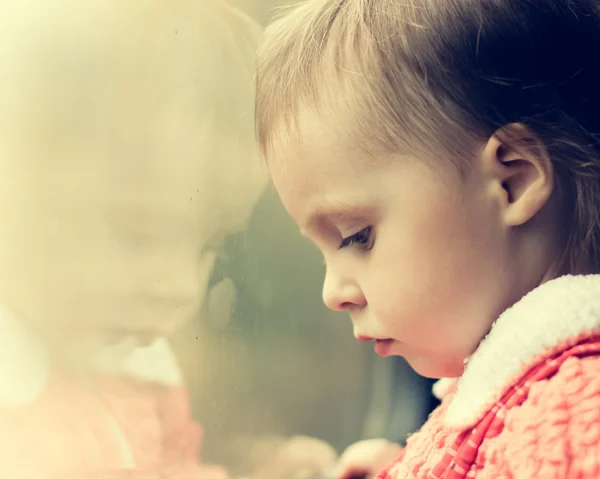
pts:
[25, 363]
[555, 312]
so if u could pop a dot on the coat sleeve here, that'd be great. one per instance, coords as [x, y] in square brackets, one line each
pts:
[555, 433]
[389, 471]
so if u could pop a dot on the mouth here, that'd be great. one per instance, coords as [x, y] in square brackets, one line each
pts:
[370, 339]
[382, 345]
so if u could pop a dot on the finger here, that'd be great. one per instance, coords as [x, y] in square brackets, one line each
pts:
[357, 475]
[350, 471]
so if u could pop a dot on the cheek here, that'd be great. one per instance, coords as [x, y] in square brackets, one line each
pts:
[417, 254]
[430, 275]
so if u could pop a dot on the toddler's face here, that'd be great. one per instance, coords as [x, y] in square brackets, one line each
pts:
[115, 240]
[419, 257]
[117, 232]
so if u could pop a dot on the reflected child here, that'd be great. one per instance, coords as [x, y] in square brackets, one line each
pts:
[120, 125]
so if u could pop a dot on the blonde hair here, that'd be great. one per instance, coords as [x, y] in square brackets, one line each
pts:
[442, 76]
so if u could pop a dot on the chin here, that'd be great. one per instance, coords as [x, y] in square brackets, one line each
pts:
[93, 353]
[434, 369]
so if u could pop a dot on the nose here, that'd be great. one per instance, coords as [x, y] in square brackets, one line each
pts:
[342, 294]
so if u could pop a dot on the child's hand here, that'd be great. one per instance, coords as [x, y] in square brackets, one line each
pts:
[298, 458]
[366, 458]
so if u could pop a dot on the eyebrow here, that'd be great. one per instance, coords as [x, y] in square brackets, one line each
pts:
[337, 211]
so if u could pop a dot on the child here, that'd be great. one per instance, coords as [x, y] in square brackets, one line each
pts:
[120, 126]
[444, 156]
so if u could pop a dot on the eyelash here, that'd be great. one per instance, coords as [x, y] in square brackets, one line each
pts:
[362, 238]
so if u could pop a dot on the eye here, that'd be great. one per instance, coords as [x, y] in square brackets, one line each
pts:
[363, 238]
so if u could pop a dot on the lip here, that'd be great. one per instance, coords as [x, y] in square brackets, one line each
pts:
[368, 339]
[365, 339]
[383, 346]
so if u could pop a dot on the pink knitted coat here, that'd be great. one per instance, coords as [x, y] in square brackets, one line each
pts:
[528, 403]
[133, 423]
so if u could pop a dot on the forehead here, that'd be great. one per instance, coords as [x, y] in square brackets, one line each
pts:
[141, 182]
[320, 172]
[317, 138]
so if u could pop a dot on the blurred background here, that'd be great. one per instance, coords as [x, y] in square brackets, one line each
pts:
[267, 359]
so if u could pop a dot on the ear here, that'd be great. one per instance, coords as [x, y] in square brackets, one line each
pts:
[521, 170]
